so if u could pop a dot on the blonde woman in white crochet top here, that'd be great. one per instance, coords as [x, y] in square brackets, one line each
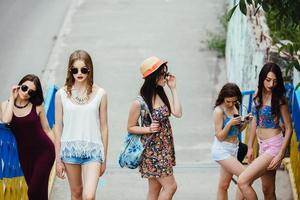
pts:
[81, 128]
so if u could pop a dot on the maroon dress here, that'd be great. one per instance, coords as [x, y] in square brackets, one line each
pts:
[36, 153]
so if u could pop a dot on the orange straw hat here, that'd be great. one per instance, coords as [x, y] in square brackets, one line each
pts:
[150, 65]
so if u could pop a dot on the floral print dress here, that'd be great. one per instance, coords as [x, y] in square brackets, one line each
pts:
[159, 154]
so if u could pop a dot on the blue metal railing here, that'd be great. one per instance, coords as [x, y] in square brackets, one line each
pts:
[50, 105]
[296, 114]
[250, 94]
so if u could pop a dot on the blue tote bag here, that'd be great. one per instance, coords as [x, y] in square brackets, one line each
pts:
[132, 151]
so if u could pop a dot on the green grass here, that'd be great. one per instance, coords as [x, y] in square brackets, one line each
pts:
[217, 39]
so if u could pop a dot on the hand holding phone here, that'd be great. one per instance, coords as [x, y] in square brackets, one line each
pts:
[236, 120]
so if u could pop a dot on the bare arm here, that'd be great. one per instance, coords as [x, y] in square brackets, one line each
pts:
[104, 124]
[60, 168]
[132, 124]
[251, 139]
[7, 107]
[58, 125]
[252, 133]
[220, 131]
[44, 122]
[175, 104]
[288, 127]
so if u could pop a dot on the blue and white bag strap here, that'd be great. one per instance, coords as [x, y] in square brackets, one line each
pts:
[144, 109]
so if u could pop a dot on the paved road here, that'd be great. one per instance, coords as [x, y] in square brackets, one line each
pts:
[27, 34]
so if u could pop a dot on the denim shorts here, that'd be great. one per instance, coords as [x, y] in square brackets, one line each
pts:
[223, 150]
[81, 161]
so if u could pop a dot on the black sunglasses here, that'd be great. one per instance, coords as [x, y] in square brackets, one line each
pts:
[30, 92]
[83, 70]
[165, 72]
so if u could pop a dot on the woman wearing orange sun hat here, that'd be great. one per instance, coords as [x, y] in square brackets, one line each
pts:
[159, 156]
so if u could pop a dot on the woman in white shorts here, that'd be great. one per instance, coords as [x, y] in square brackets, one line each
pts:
[225, 145]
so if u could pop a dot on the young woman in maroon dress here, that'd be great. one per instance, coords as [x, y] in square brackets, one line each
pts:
[25, 113]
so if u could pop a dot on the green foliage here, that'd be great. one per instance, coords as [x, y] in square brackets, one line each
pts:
[243, 7]
[288, 31]
[217, 41]
[283, 18]
[230, 12]
[297, 86]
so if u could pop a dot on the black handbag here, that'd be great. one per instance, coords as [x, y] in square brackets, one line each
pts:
[242, 152]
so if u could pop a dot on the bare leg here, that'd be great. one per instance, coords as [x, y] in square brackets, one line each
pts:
[224, 182]
[169, 187]
[74, 177]
[91, 173]
[268, 185]
[256, 169]
[154, 189]
[229, 167]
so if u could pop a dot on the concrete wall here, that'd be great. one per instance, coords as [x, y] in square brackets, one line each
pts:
[246, 48]
[296, 77]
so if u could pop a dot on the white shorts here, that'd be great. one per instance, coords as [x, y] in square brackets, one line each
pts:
[223, 150]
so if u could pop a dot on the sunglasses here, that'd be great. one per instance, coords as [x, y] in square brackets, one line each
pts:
[30, 92]
[164, 72]
[83, 70]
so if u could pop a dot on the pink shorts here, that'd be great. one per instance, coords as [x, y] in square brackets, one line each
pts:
[271, 145]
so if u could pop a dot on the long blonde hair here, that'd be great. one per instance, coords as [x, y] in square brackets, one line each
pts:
[86, 58]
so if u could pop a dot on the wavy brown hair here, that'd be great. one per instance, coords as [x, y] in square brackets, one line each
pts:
[229, 90]
[86, 58]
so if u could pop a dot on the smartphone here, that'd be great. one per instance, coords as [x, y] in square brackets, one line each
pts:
[236, 115]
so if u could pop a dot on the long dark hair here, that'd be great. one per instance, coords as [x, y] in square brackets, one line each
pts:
[277, 92]
[150, 89]
[38, 98]
[229, 90]
[86, 58]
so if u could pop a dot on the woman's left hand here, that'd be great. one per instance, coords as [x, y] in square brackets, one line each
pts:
[276, 162]
[102, 168]
[248, 118]
[171, 81]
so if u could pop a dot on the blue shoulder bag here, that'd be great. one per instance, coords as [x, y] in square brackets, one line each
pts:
[132, 151]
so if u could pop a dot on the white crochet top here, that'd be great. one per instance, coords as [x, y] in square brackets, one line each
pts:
[81, 127]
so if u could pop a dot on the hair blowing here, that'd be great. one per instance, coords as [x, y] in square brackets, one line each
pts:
[150, 89]
[227, 91]
[278, 91]
[38, 98]
[86, 58]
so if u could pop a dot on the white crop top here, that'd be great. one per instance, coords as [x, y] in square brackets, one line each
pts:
[81, 128]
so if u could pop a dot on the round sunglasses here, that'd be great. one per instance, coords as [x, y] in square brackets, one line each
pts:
[83, 70]
[164, 73]
[30, 92]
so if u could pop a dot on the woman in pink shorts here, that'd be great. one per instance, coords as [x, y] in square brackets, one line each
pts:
[270, 105]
